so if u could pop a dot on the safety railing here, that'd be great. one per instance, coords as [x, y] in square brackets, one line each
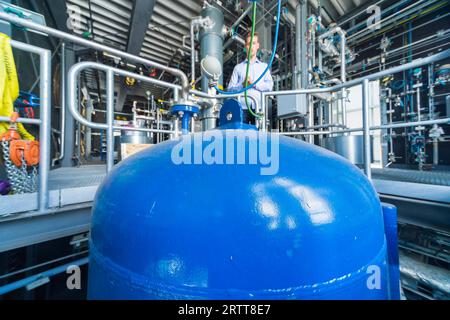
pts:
[366, 129]
[44, 121]
[109, 125]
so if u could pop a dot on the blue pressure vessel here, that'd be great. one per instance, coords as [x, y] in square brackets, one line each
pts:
[309, 226]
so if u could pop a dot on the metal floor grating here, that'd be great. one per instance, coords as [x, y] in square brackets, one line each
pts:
[84, 176]
[439, 178]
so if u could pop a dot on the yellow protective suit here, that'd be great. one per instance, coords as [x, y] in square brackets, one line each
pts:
[9, 86]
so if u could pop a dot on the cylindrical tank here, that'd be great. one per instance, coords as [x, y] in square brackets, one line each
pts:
[211, 39]
[162, 229]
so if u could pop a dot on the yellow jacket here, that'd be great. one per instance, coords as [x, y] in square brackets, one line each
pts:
[9, 86]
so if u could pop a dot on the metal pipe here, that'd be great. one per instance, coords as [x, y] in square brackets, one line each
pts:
[110, 120]
[325, 126]
[40, 265]
[81, 41]
[435, 152]
[298, 44]
[358, 14]
[45, 128]
[63, 100]
[49, 273]
[414, 5]
[366, 129]
[343, 74]
[411, 65]
[432, 276]
[21, 120]
[192, 53]
[243, 15]
[342, 35]
[225, 96]
[45, 117]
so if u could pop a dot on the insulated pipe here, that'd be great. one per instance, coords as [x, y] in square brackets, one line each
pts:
[91, 44]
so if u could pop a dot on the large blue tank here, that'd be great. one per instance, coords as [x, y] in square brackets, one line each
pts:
[163, 230]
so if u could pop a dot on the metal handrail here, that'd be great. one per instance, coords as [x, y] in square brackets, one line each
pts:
[45, 89]
[365, 102]
[44, 122]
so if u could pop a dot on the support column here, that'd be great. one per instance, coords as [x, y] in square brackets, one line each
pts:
[211, 43]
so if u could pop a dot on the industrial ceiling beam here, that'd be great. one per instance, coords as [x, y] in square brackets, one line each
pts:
[140, 19]
[58, 11]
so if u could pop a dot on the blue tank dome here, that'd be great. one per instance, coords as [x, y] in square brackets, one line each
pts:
[162, 230]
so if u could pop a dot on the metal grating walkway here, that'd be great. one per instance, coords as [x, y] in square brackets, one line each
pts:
[438, 178]
[76, 177]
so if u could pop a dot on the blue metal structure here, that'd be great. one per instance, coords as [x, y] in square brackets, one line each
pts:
[165, 230]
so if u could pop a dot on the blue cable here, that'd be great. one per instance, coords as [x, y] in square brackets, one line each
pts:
[268, 66]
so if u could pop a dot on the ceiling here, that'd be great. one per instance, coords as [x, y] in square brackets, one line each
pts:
[169, 22]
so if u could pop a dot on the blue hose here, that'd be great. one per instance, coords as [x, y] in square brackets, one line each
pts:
[275, 43]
